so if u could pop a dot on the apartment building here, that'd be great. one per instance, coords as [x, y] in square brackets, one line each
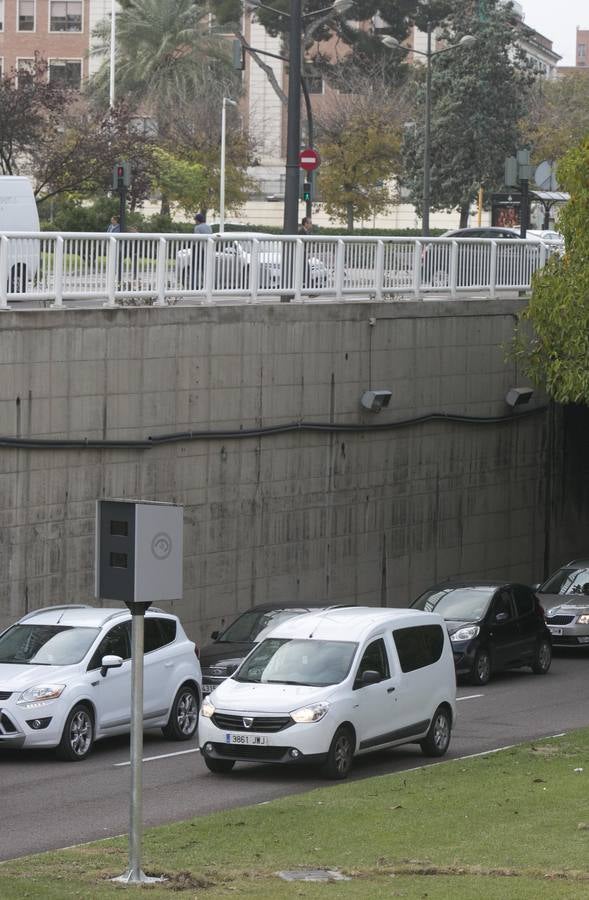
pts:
[57, 30]
[582, 49]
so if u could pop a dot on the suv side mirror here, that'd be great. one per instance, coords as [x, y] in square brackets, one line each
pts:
[215, 635]
[501, 617]
[370, 676]
[110, 662]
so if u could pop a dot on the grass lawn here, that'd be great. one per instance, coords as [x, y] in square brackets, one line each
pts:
[505, 826]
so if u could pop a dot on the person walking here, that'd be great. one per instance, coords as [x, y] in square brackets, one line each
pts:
[114, 225]
[306, 226]
[198, 250]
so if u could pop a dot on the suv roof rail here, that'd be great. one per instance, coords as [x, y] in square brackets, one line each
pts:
[44, 609]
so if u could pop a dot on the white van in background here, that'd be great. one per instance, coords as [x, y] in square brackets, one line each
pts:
[18, 213]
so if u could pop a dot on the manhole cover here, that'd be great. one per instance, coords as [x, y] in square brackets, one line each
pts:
[313, 875]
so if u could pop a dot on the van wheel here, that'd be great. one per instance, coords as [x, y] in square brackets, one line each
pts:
[341, 753]
[218, 766]
[18, 279]
[183, 720]
[542, 657]
[78, 735]
[481, 670]
[437, 740]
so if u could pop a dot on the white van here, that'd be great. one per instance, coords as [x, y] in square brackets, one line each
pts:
[18, 212]
[329, 685]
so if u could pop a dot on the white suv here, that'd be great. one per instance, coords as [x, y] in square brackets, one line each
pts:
[325, 686]
[65, 678]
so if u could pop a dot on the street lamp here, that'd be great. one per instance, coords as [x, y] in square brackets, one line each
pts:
[467, 41]
[113, 34]
[293, 120]
[226, 100]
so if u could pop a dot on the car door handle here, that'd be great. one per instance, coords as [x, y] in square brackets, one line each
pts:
[390, 690]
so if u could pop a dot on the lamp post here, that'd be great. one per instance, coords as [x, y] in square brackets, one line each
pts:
[293, 110]
[113, 35]
[226, 100]
[467, 41]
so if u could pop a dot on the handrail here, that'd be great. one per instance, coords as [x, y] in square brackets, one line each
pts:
[164, 269]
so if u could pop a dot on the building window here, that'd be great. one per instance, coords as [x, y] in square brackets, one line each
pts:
[314, 84]
[25, 68]
[582, 51]
[66, 71]
[66, 15]
[26, 15]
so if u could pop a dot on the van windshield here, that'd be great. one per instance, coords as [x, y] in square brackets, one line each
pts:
[293, 661]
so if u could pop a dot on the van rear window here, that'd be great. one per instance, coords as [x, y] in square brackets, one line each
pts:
[418, 646]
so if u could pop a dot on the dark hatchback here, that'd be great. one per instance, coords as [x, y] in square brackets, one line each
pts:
[492, 626]
[220, 659]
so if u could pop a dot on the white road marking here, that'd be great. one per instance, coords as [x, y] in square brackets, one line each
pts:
[471, 697]
[163, 756]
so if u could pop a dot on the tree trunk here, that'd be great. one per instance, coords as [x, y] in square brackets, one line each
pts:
[165, 206]
[464, 211]
[350, 216]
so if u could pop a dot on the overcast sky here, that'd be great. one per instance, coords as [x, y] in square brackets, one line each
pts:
[558, 20]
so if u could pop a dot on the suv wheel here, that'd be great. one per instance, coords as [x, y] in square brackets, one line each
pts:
[542, 657]
[481, 670]
[341, 752]
[183, 720]
[437, 740]
[78, 735]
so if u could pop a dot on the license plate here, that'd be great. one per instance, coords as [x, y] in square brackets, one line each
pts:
[255, 739]
[554, 630]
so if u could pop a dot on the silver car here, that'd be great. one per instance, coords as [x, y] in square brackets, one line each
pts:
[565, 598]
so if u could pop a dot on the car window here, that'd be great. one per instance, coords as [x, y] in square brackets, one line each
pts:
[502, 605]
[115, 643]
[297, 661]
[158, 633]
[418, 646]
[456, 603]
[48, 645]
[566, 581]
[248, 627]
[375, 659]
[525, 601]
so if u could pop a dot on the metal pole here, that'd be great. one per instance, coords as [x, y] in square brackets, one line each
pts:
[113, 29]
[427, 136]
[310, 138]
[222, 186]
[293, 130]
[525, 206]
[136, 816]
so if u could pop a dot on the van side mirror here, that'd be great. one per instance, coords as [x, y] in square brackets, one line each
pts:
[370, 676]
[110, 662]
[215, 635]
[501, 617]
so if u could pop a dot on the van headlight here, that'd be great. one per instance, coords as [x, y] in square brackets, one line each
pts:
[40, 694]
[465, 634]
[313, 713]
[207, 709]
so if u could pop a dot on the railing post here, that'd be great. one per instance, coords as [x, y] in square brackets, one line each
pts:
[379, 271]
[160, 271]
[453, 270]
[299, 266]
[111, 271]
[58, 271]
[3, 272]
[209, 269]
[340, 261]
[493, 271]
[417, 255]
[254, 271]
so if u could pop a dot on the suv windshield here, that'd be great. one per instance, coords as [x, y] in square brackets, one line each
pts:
[46, 645]
[249, 627]
[567, 581]
[284, 661]
[456, 604]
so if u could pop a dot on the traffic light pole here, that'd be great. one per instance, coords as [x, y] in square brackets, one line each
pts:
[293, 130]
[122, 207]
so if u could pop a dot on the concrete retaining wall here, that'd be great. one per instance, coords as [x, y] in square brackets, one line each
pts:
[366, 517]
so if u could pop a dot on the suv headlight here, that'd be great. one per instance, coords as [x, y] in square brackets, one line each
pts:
[207, 709]
[465, 634]
[40, 694]
[313, 713]
[583, 619]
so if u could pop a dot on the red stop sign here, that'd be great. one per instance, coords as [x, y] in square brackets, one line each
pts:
[309, 159]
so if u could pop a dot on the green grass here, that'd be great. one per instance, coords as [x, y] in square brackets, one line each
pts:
[509, 825]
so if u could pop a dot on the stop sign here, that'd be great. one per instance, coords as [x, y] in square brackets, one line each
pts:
[309, 159]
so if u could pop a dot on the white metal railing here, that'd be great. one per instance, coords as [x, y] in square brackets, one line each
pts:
[119, 269]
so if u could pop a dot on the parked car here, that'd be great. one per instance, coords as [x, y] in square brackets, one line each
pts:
[553, 240]
[330, 685]
[492, 626]
[221, 658]
[18, 213]
[565, 598]
[65, 678]
[233, 259]
[473, 264]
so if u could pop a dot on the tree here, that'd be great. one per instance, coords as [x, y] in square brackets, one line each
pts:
[556, 355]
[558, 116]
[478, 99]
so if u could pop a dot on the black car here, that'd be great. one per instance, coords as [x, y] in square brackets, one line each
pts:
[492, 626]
[220, 659]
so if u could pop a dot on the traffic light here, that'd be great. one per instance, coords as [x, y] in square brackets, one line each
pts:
[306, 191]
[238, 56]
[121, 176]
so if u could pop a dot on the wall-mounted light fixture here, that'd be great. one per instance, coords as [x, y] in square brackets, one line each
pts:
[375, 400]
[518, 396]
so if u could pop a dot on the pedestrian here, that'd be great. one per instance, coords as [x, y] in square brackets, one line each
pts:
[114, 226]
[198, 250]
[306, 226]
